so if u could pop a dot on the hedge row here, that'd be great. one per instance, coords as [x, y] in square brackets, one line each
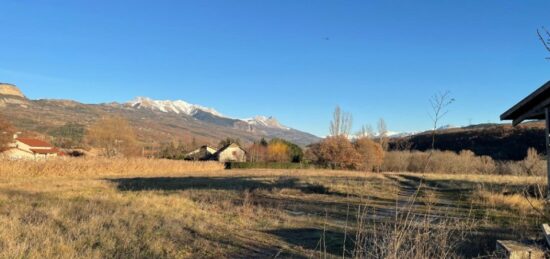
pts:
[267, 165]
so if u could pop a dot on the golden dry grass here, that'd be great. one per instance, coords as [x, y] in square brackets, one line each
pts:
[171, 209]
[517, 202]
[93, 167]
[482, 178]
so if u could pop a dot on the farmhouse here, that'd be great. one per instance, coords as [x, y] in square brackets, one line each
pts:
[202, 153]
[230, 153]
[28, 148]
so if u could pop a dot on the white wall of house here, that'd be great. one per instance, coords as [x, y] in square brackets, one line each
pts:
[232, 154]
[20, 150]
[16, 154]
[22, 146]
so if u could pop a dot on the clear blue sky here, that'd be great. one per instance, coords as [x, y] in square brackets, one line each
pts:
[295, 60]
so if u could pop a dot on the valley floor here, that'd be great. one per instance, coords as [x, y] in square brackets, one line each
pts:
[264, 213]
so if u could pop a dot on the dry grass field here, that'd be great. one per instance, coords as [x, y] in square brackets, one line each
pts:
[162, 209]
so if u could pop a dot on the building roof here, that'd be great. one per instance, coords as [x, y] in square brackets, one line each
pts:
[226, 147]
[531, 107]
[198, 150]
[45, 151]
[34, 142]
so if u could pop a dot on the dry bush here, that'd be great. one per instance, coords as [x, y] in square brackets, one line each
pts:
[466, 162]
[396, 161]
[509, 168]
[371, 154]
[101, 167]
[114, 136]
[337, 152]
[486, 165]
[532, 165]
[278, 152]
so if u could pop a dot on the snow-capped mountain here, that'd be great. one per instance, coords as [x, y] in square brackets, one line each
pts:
[265, 121]
[259, 126]
[203, 113]
[177, 106]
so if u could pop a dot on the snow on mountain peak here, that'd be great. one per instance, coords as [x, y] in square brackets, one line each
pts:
[177, 106]
[183, 107]
[265, 121]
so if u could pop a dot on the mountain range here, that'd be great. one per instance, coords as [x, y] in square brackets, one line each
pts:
[154, 120]
[201, 113]
[165, 121]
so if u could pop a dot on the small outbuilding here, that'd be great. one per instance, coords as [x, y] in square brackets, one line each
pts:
[230, 153]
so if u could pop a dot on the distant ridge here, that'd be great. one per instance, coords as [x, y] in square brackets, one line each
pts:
[11, 90]
[157, 121]
[499, 141]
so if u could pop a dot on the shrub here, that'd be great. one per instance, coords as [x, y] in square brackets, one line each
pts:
[533, 164]
[397, 161]
[114, 136]
[371, 154]
[278, 152]
[337, 152]
[295, 153]
[466, 162]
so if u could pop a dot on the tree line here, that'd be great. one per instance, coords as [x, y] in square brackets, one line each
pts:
[114, 137]
[365, 151]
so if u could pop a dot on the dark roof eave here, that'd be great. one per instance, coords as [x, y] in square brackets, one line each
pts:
[531, 107]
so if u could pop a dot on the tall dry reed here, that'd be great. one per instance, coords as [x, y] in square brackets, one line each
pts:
[464, 162]
[85, 167]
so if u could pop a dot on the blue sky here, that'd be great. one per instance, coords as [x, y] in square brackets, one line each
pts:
[295, 60]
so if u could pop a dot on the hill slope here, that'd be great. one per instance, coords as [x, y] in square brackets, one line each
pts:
[154, 121]
[500, 141]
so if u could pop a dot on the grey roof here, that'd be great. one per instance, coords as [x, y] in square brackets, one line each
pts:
[531, 107]
[226, 147]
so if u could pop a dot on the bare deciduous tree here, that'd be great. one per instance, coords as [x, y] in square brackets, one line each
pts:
[371, 154]
[544, 37]
[439, 103]
[113, 135]
[383, 134]
[341, 123]
[366, 131]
